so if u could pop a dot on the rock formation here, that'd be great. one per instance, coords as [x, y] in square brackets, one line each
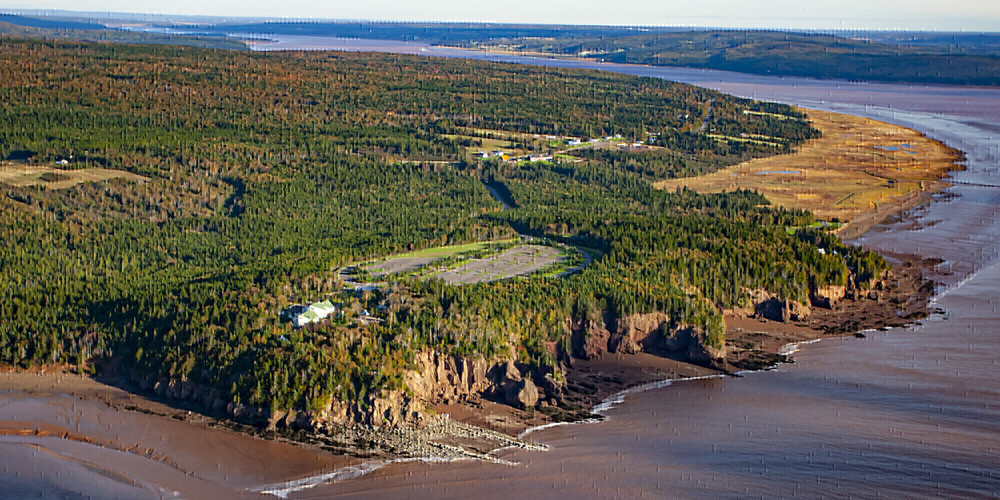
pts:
[827, 296]
[776, 309]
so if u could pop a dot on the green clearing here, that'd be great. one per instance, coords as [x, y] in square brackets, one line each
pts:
[480, 143]
[829, 226]
[764, 113]
[450, 250]
[727, 138]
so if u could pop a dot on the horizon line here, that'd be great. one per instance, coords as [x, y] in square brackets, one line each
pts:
[27, 11]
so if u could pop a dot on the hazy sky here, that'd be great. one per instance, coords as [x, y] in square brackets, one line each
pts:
[954, 15]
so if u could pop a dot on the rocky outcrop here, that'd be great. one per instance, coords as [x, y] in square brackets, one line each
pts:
[551, 387]
[589, 339]
[638, 333]
[392, 409]
[827, 296]
[776, 309]
[514, 389]
[694, 344]
[437, 377]
[652, 333]
[749, 308]
[522, 394]
[798, 311]
[185, 390]
[699, 350]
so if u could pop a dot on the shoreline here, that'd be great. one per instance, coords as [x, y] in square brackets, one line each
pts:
[598, 411]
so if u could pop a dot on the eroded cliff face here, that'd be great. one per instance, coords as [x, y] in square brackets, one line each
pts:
[438, 378]
[649, 333]
[652, 333]
[827, 296]
[447, 379]
[434, 378]
[776, 309]
[589, 339]
[639, 333]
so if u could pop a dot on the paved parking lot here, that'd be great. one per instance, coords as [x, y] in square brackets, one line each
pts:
[516, 261]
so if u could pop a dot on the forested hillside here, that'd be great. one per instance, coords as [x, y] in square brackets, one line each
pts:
[269, 172]
[780, 53]
[27, 27]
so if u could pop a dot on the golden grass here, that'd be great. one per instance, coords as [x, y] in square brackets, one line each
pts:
[32, 175]
[847, 173]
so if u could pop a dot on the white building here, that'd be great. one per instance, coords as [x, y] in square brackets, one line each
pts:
[316, 311]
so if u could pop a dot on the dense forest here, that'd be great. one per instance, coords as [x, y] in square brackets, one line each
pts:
[268, 172]
[782, 53]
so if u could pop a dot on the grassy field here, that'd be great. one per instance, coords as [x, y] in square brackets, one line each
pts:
[54, 178]
[450, 250]
[487, 144]
[753, 140]
[859, 167]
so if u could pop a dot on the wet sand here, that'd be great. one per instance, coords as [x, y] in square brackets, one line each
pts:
[101, 434]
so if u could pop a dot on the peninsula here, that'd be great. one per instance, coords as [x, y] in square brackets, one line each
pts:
[477, 239]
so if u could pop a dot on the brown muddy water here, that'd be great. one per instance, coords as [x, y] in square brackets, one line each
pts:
[905, 413]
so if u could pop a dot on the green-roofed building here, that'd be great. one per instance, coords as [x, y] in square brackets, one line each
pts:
[317, 311]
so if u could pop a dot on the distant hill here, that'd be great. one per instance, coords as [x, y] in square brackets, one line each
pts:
[782, 53]
[967, 43]
[56, 23]
[430, 32]
[916, 57]
[912, 57]
[118, 36]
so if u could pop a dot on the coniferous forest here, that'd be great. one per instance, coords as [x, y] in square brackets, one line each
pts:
[266, 173]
